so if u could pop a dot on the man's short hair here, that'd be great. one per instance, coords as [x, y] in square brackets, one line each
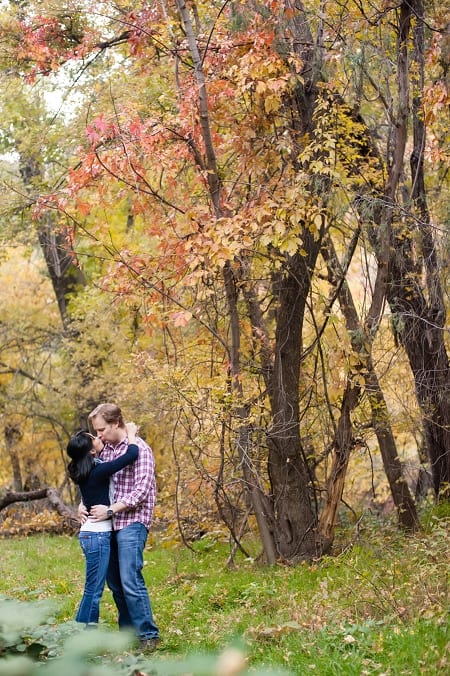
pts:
[109, 412]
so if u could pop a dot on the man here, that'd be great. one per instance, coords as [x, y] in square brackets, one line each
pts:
[131, 511]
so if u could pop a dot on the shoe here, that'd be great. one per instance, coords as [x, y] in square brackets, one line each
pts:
[148, 645]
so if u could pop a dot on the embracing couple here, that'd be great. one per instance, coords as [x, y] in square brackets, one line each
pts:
[115, 471]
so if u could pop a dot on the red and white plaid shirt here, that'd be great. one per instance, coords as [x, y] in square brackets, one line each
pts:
[134, 485]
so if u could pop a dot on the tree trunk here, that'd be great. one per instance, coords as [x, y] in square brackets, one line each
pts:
[58, 254]
[295, 519]
[255, 495]
[418, 308]
[292, 486]
[290, 533]
[13, 434]
[52, 496]
[433, 392]
[361, 341]
[342, 447]
[292, 519]
[64, 274]
[423, 341]
[403, 500]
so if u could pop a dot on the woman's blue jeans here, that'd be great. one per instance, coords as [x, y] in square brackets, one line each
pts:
[126, 581]
[96, 549]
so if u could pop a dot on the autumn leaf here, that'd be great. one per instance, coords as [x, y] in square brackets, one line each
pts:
[181, 319]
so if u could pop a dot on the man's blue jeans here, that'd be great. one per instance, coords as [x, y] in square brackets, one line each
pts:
[126, 581]
[96, 549]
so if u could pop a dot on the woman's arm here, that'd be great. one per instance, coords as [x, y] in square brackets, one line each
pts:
[105, 469]
[98, 512]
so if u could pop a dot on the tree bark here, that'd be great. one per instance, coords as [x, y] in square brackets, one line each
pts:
[58, 254]
[13, 434]
[361, 337]
[64, 274]
[342, 447]
[22, 496]
[434, 397]
[292, 518]
[51, 494]
[291, 486]
[418, 308]
[289, 530]
[240, 412]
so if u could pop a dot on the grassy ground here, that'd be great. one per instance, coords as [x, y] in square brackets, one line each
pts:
[377, 607]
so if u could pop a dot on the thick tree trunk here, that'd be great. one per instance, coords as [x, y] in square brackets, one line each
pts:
[292, 486]
[433, 392]
[288, 528]
[295, 518]
[292, 519]
[417, 306]
[423, 340]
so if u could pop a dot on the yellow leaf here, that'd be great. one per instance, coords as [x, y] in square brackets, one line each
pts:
[181, 318]
[271, 104]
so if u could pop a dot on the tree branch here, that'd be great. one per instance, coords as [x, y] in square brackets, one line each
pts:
[51, 494]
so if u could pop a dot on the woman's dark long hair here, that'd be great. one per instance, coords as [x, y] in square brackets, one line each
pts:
[79, 449]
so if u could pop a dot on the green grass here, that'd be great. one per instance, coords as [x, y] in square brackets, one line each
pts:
[378, 607]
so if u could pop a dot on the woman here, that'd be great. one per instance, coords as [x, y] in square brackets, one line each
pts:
[93, 478]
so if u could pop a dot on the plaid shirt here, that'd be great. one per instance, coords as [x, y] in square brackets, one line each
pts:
[134, 485]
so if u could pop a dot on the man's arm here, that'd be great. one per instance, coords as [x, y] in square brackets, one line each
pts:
[82, 512]
[99, 512]
[143, 478]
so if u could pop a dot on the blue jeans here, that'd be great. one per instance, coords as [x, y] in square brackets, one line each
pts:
[126, 581]
[96, 548]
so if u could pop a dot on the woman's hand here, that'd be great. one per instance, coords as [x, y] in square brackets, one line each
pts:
[132, 430]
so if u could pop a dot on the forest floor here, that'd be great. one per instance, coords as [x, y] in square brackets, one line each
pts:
[379, 605]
